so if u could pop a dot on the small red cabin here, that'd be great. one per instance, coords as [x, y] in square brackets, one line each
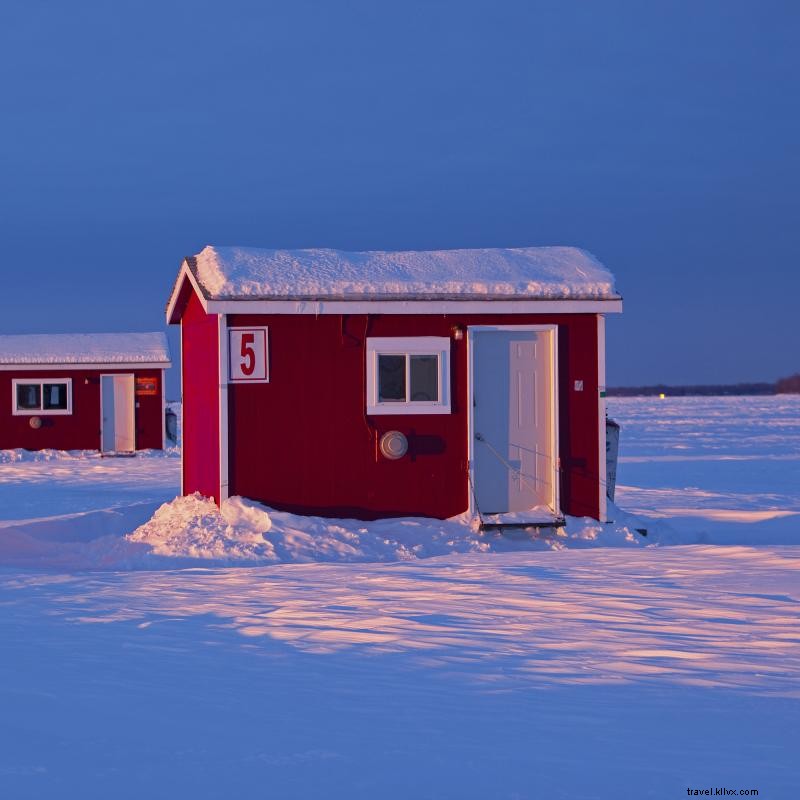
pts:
[381, 384]
[88, 391]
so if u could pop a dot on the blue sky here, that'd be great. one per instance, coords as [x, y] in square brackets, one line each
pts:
[660, 136]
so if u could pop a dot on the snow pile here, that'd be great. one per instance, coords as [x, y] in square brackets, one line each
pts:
[192, 530]
[524, 272]
[85, 348]
[245, 531]
[193, 527]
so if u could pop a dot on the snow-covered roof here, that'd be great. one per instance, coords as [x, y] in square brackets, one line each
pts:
[84, 348]
[529, 273]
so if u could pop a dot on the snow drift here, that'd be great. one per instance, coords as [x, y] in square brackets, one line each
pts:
[192, 530]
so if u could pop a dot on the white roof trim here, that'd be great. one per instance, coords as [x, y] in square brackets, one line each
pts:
[76, 366]
[184, 273]
[319, 307]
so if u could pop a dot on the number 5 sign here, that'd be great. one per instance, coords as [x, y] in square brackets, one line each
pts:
[248, 355]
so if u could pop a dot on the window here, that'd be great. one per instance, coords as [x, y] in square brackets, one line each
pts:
[39, 397]
[408, 375]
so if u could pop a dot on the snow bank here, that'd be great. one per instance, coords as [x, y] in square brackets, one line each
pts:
[85, 348]
[88, 540]
[192, 530]
[524, 272]
[242, 530]
[21, 456]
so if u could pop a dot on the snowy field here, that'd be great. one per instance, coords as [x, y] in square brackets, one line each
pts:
[421, 660]
[723, 470]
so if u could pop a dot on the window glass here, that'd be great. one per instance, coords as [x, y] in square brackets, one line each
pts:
[407, 375]
[54, 395]
[29, 395]
[424, 378]
[391, 378]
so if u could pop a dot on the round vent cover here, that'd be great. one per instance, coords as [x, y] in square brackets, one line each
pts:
[35, 422]
[394, 445]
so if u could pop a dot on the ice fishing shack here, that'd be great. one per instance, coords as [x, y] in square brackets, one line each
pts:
[83, 391]
[379, 384]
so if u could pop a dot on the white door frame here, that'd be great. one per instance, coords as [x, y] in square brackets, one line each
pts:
[471, 331]
[163, 410]
[115, 375]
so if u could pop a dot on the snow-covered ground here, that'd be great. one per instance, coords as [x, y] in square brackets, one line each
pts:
[432, 663]
[718, 469]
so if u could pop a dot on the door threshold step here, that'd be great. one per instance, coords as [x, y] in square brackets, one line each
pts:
[489, 525]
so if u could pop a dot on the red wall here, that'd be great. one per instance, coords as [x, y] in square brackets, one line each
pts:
[81, 429]
[200, 377]
[302, 443]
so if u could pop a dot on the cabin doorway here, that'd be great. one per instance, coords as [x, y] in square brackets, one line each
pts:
[514, 423]
[118, 414]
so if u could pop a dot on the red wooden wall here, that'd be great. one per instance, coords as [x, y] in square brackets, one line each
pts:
[303, 443]
[81, 429]
[200, 390]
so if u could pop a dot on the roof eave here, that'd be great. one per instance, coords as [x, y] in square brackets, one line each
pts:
[427, 305]
[49, 366]
[185, 273]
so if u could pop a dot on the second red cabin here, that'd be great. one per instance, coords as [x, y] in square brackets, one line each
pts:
[83, 391]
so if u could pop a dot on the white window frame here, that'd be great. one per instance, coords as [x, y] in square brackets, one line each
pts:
[408, 346]
[40, 412]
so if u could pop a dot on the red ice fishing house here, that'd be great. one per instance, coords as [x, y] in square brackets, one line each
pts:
[382, 384]
[88, 391]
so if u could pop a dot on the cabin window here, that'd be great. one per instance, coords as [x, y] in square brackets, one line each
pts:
[408, 375]
[36, 397]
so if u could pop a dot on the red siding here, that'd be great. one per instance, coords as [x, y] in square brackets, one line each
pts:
[200, 376]
[81, 429]
[150, 414]
[303, 443]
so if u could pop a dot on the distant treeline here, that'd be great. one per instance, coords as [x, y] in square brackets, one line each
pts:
[790, 385]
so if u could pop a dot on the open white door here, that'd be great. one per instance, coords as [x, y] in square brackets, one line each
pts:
[118, 409]
[513, 424]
